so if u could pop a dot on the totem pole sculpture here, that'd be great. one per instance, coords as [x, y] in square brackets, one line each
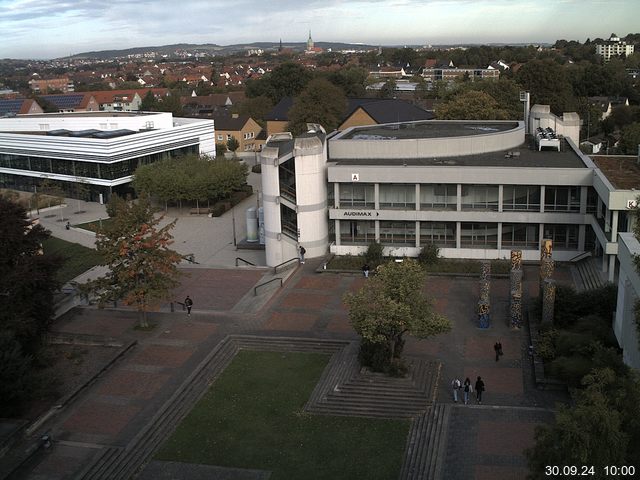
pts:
[515, 310]
[547, 285]
[484, 306]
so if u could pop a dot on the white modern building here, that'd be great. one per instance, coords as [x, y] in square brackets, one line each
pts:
[625, 325]
[476, 189]
[99, 149]
[614, 47]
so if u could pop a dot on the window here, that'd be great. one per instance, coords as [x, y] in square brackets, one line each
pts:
[564, 237]
[397, 196]
[562, 199]
[220, 137]
[289, 221]
[521, 235]
[356, 195]
[357, 232]
[228, 137]
[438, 196]
[480, 197]
[521, 198]
[401, 234]
[441, 234]
[479, 235]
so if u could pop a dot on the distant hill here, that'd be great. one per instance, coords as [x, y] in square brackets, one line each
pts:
[213, 49]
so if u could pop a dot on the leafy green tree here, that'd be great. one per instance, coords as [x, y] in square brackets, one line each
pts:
[16, 375]
[391, 304]
[630, 139]
[388, 90]
[27, 278]
[171, 103]
[143, 270]
[233, 144]
[149, 103]
[286, 80]
[589, 433]
[320, 102]
[257, 108]
[351, 80]
[471, 105]
[548, 83]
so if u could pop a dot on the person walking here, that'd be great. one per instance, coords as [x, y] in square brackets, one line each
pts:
[466, 390]
[365, 270]
[188, 303]
[455, 386]
[479, 389]
[301, 252]
[498, 349]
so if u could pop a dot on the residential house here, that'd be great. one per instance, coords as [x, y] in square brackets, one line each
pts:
[62, 84]
[242, 127]
[73, 102]
[18, 106]
[209, 105]
[118, 100]
[607, 104]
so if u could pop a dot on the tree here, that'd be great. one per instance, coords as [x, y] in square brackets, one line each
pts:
[142, 268]
[388, 90]
[471, 105]
[286, 80]
[548, 83]
[589, 433]
[630, 139]
[27, 284]
[233, 144]
[257, 108]
[149, 103]
[320, 102]
[389, 305]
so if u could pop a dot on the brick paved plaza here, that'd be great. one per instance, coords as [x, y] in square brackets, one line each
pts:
[482, 442]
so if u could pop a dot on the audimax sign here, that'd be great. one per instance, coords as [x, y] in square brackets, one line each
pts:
[360, 214]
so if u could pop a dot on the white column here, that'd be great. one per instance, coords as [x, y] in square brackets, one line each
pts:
[500, 199]
[583, 200]
[459, 199]
[417, 196]
[458, 233]
[542, 194]
[612, 267]
[614, 226]
[376, 195]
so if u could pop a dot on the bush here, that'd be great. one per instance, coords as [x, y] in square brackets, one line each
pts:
[257, 168]
[570, 369]
[377, 357]
[546, 348]
[429, 254]
[374, 253]
[571, 343]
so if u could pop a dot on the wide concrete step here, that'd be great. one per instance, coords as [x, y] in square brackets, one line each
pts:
[426, 445]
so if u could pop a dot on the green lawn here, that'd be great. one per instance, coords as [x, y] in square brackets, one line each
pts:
[252, 417]
[76, 258]
[95, 225]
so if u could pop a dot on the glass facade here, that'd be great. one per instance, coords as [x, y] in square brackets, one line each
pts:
[289, 220]
[442, 234]
[438, 196]
[357, 195]
[287, 175]
[401, 234]
[521, 198]
[480, 197]
[520, 235]
[562, 199]
[97, 170]
[565, 237]
[398, 196]
[478, 235]
[357, 232]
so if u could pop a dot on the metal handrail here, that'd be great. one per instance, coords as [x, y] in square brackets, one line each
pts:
[245, 261]
[255, 289]
[275, 269]
[580, 256]
[190, 257]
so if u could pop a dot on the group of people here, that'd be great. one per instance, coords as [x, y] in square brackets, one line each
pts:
[466, 388]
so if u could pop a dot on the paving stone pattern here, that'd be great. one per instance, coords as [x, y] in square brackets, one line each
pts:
[117, 424]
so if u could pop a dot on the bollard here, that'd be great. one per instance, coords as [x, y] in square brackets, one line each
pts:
[172, 307]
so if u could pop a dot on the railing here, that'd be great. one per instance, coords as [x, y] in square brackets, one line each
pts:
[255, 289]
[275, 269]
[190, 257]
[245, 261]
[580, 256]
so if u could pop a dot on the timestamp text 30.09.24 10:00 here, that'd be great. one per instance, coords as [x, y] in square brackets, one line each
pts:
[587, 471]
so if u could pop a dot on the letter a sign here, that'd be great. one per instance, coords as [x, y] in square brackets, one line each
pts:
[355, 177]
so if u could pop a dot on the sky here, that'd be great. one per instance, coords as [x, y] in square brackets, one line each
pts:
[41, 29]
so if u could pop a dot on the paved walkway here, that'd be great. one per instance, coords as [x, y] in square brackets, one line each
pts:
[482, 441]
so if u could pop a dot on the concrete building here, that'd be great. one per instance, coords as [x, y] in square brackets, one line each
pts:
[100, 149]
[476, 189]
[613, 47]
[625, 325]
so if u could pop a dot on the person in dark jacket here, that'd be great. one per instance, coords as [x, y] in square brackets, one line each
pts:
[479, 389]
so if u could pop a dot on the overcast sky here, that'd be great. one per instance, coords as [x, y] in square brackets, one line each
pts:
[54, 28]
